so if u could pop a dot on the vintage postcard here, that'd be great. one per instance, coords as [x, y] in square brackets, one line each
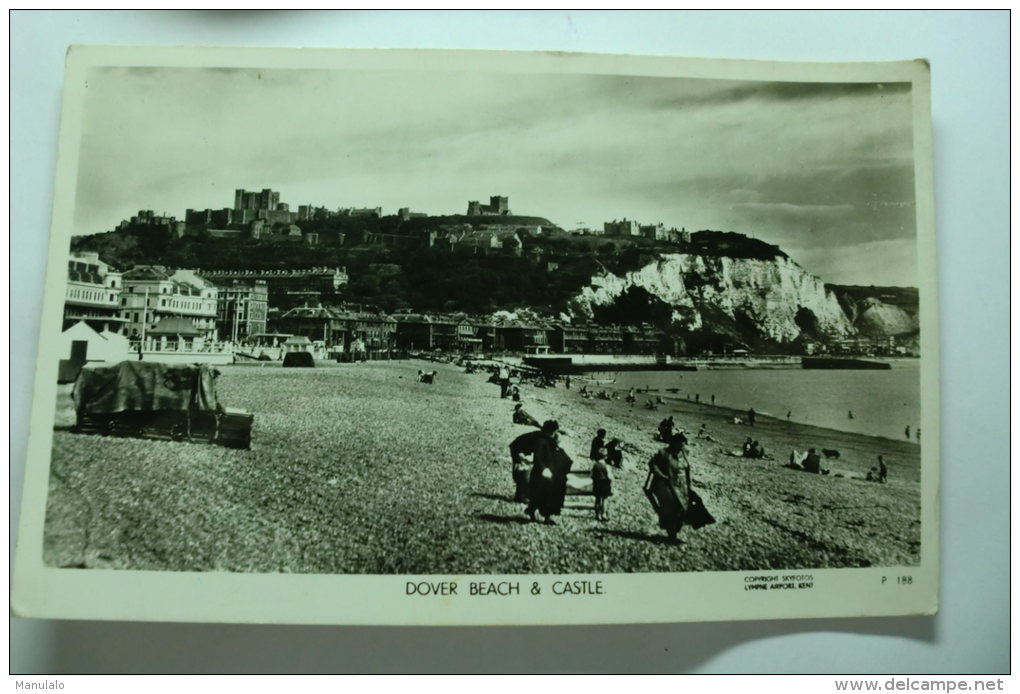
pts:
[454, 337]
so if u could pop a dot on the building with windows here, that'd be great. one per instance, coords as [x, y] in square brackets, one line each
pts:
[319, 324]
[152, 293]
[92, 294]
[241, 309]
[290, 288]
[623, 227]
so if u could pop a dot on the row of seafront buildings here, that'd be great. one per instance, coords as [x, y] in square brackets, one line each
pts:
[161, 311]
[337, 328]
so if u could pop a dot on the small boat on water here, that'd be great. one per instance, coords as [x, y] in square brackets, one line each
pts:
[595, 381]
[841, 363]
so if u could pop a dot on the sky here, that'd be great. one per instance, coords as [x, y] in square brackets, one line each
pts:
[823, 170]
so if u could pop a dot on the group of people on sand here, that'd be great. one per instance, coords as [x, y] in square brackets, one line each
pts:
[541, 483]
[601, 394]
[753, 449]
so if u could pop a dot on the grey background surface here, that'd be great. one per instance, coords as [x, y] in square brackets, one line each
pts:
[969, 54]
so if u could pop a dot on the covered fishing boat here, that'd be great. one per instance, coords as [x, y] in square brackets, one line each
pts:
[158, 401]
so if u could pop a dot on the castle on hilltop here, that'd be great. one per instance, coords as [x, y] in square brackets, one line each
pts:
[249, 207]
[498, 205]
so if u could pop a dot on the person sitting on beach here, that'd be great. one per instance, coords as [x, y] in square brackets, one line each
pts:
[812, 462]
[522, 417]
[584, 390]
[649, 405]
[602, 395]
[754, 451]
[614, 453]
[747, 447]
[704, 435]
[515, 394]
[659, 400]
[426, 376]
[598, 445]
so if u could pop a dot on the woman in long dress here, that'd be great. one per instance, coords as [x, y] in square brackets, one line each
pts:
[548, 480]
[668, 486]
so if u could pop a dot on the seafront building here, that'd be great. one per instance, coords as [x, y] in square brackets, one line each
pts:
[290, 288]
[335, 329]
[241, 309]
[153, 294]
[92, 294]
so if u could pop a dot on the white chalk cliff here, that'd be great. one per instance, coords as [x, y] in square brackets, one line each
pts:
[768, 296]
[876, 318]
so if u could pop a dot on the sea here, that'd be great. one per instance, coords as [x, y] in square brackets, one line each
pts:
[875, 403]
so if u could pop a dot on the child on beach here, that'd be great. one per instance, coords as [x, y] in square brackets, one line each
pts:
[614, 453]
[602, 486]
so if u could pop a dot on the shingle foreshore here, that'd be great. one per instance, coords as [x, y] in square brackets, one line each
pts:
[358, 468]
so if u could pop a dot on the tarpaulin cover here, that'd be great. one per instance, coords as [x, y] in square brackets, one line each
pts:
[139, 386]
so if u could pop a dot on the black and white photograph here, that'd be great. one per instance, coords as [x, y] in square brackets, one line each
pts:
[427, 317]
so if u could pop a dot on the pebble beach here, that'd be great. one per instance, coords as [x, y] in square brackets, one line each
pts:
[358, 468]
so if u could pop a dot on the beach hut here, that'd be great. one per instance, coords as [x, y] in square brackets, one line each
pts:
[297, 343]
[80, 344]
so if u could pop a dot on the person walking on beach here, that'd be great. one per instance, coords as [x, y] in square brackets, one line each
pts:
[668, 488]
[906, 432]
[547, 486]
[788, 414]
[566, 382]
[713, 398]
[602, 487]
[750, 416]
[919, 434]
[631, 396]
[521, 446]
[598, 445]
[503, 376]
[883, 470]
